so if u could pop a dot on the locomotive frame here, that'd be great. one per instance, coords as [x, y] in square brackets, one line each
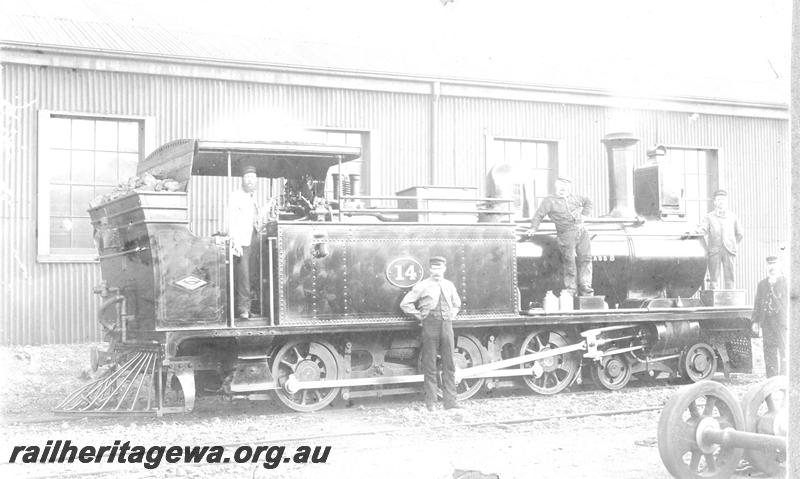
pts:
[329, 323]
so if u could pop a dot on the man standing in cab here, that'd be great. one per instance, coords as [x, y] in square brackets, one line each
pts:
[770, 313]
[434, 302]
[567, 211]
[244, 222]
[723, 236]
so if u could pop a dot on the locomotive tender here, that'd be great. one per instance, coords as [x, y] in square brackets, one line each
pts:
[332, 272]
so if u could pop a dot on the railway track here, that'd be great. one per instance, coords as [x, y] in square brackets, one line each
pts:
[305, 439]
[366, 404]
[566, 407]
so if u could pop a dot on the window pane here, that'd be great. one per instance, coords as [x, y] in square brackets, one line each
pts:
[702, 164]
[102, 190]
[129, 136]
[543, 155]
[337, 138]
[59, 200]
[691, 185]
[82, 134]
[82, 233]
[127, 165]
[354, 139]
[512, 152]
[702, 187]
[59, 166]
[517, 196]
[691, 162]
[541, 180]
[105, 168]
[106, 136]
[59, 240]
[60, 225]
[317, 136]
[528, 154]
[81, 196]
[61, 129]
[83, 167]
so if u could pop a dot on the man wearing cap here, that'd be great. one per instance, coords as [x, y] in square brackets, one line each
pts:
[723, 236]
[434, 302]
[244, 221]
[567, 211]
[770, 313]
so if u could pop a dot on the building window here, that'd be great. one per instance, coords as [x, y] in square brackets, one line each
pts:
[699, 171]
[357, 167]
[80, 157]
[535, 163]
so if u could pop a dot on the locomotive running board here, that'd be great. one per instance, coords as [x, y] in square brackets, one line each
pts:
[488, 370]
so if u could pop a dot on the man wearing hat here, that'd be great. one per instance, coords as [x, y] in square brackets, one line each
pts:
[567, 211]
[770, 313]
[244, 221]
[723, 233]
[434, 301]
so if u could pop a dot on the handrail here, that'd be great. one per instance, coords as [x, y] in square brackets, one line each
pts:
[417, 210]
[419, 198]
[613, 221]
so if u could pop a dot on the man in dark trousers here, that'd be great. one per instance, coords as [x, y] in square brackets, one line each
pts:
[723, 233]
[567, 212]
[243, 221]
[434, 301]
[770, 313]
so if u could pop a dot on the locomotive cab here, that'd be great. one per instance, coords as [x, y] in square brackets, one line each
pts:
[150, 253]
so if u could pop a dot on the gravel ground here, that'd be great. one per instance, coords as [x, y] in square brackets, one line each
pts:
[394, 437]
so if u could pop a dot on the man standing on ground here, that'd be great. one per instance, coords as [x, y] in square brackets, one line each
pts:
[770, 312]
[434, 301]
[567, 212]
[723, 236]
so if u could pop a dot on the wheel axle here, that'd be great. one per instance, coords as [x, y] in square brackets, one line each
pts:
[703, 431]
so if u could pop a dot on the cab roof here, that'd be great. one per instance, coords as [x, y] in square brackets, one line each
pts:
[180, 159]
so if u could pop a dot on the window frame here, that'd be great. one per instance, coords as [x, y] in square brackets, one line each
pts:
[719, 174]
[367, 167]
[554, 147]
[43, 213]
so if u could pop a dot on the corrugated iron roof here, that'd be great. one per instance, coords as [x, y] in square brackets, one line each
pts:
[379, 57]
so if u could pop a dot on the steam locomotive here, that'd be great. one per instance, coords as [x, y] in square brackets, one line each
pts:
[333, 268]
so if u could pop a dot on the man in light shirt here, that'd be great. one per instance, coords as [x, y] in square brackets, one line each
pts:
[723, 233]
[434, 302]
[244, 222]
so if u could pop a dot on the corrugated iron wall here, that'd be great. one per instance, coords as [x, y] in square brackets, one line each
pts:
[53, 303]
[45, 303]
[753, 156]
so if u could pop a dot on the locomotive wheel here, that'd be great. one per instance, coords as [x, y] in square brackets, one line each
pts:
[611, 372]
[695, 407]
[553, 374]
[765, 408]
[308, 361]
[469, 352]
[699, 362]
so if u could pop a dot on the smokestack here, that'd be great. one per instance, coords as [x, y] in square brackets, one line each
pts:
[619, 147]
